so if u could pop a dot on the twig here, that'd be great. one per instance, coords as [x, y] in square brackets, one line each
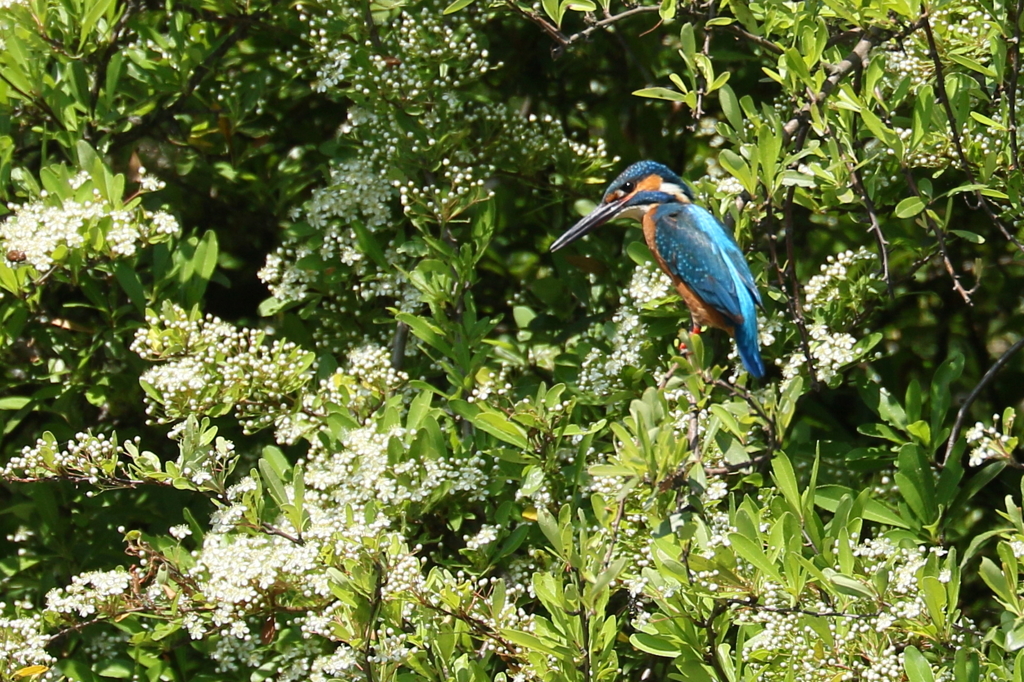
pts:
[857, 58]
[738, 466]
[782, 609]
[620, 512]
[398, 345]
[745, 395]
[371, 27]
[735, 29]
[985, 381]
[166, 112]
[796, 308]
[37, 101]
[274, 530]
[576, 37]
[943, 97]
[750, 37]
[698, 111]
[801, 119]
[548, 27]
[1014, 58]
[941, 238]
[876, 227]
[711, 656]
[112, 46]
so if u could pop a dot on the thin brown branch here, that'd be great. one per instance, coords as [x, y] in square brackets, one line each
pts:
[940, 237]
[738, 466]
[167, 111]
[274, 530]
[800, 121]
[705, 50]
[746, 396]
[37, 101]
[371, 27]
[954, 129]
[1013, 56]
[857, 59]
[585, 33]
[750, 37]
[985, 381]
[619, 513]
[546, 25]
[735, 29]
[112, 47]
[876, 227]
[796, 308]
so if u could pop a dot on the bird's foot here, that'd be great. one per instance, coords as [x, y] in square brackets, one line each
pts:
[683, 349]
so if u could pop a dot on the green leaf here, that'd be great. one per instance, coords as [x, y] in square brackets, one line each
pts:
[909, 207]
[128, 278]
[972, 237]
[553, 10]
[916, 666]
[203, 264]
[993, 577]
[457, 5]
[828, 497]
[96, 9]
[427, 332]
[14, 402]
[667, 10]
[660, 93]
[785, 478]
[502, 428]
[754, 553]
[656, 646]
[849, 586]
[971, 64]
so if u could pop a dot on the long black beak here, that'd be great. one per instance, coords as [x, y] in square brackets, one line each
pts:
[593, 220]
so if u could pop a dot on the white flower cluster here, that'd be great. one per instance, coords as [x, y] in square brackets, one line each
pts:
[600, 371]
[824, 287]
[486, 535]
[209, 366]
[88, 457]
[961, 27]
[367, 469]
[420, 65]
[89, 593]
[988, 443]
[370, 365]
[490, 383]
[39, 231]
[237, 572]
[787, 646]
[23, 644]
[831, 352]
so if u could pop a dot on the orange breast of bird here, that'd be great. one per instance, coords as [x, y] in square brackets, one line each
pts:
[703, 314]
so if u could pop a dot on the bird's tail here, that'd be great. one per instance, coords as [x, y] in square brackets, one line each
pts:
[747, 340]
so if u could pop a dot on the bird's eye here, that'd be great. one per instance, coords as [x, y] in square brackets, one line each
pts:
[628, 187]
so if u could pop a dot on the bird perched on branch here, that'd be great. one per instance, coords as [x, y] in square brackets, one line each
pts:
[691, 246]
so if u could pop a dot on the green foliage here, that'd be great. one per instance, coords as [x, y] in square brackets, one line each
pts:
[280, 324]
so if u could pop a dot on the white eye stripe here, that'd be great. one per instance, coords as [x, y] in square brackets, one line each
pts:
[675, 190]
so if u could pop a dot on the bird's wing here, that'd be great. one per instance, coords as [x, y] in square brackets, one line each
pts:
[699, 250]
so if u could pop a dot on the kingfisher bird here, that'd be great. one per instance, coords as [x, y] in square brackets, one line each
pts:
[692, 247]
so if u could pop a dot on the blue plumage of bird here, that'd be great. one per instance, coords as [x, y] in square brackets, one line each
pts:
[691, 246]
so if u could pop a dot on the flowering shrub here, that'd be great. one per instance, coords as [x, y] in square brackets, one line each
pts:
[309, 399]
